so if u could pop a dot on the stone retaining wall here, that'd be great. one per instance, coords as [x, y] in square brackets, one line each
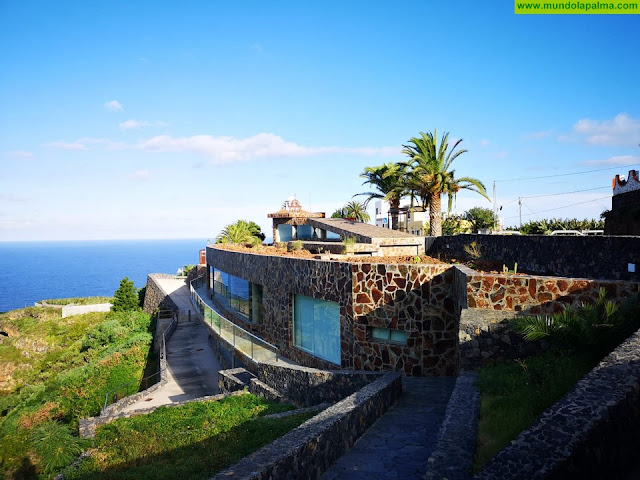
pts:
[309, 450]
[538, 294]
[308, 386]
[595, 257]
[68, 310]
[484, 335]
[155, 297]
[592, 432]
[452, 457]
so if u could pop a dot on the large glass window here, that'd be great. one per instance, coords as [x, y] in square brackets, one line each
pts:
[316, 327]
[285, 232]
[239, 294]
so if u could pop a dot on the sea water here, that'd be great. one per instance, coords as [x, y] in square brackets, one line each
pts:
[34, 271]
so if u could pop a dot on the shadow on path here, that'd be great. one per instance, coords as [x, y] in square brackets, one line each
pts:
[398, 445]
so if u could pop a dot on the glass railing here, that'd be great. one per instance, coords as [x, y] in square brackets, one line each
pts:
[238, 303]
[246, 342]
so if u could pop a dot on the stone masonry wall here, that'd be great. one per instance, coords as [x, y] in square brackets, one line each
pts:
[538, 294]
[423, 300]
[155, 298]
[281, 277]
[594, 257]
[308, 451]
[308, 386]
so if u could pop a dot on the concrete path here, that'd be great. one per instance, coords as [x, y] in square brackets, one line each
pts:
[192, 365]
[398, 445]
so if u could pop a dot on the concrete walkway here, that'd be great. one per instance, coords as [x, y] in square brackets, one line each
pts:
[398, 445]
[192, 365]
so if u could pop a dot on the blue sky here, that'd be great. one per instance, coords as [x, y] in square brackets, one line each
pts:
[173, 119]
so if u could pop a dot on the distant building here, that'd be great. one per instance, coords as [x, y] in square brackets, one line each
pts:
[624, 217]
[410, 219]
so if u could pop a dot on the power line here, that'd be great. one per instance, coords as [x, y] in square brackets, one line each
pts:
[560, 208]
[566, 193]
[566, 174]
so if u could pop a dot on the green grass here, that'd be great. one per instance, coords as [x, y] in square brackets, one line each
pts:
[79, 301]
[193, 441]
[514, 395]
[54, 371]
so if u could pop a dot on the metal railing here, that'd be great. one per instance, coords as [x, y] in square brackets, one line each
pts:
[246, 342]
[129, 388]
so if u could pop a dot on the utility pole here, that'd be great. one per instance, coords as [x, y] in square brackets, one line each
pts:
[495, 205]
[520, 210]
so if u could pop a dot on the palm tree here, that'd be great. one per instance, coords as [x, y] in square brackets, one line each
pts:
[239, 232]
[389, 180]
[357, 211]
[353, 210]
[431, 177]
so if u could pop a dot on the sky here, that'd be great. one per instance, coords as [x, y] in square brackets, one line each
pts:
[158, 119]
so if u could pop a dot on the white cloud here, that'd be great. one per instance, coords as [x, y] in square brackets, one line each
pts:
[132, 124]
[257, 47]
[622, 131]
[63, 145]
[484, 143]
[113, 106]
[222, 150]
[538, 135]
[86, 142]
[19, 154]
[500, 155]
[263, 145]
[139, 175]
[615, 160]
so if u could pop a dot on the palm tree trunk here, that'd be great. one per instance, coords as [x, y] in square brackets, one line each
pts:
[393, 212]
[435, 215]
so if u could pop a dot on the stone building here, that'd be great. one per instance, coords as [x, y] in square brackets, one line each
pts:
[624, 217]
[331, 313]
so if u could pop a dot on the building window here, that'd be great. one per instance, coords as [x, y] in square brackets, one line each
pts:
[316, 327]
[238, 294]
[388, 335]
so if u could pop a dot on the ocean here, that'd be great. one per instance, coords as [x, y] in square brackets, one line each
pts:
[34, 271]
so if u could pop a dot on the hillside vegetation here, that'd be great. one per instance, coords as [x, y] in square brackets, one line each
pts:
[54, 371]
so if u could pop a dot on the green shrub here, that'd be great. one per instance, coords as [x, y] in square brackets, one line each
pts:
[592, 330]
[55, 445]
[348, 244]
[126, 297]
[296, 245]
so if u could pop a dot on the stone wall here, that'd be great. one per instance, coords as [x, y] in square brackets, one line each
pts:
[422, 300]
[594, 257]
[308, 386]
[155, 298]
[309, 450]
[592, 432]
[534, 294]
[484, 335]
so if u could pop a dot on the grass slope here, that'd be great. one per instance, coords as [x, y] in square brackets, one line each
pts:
[192, 441]
[514, 395]
[54, 371]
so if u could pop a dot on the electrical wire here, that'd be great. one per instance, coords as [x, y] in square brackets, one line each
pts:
[566, 193]
[560, 208]
[567, 174]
